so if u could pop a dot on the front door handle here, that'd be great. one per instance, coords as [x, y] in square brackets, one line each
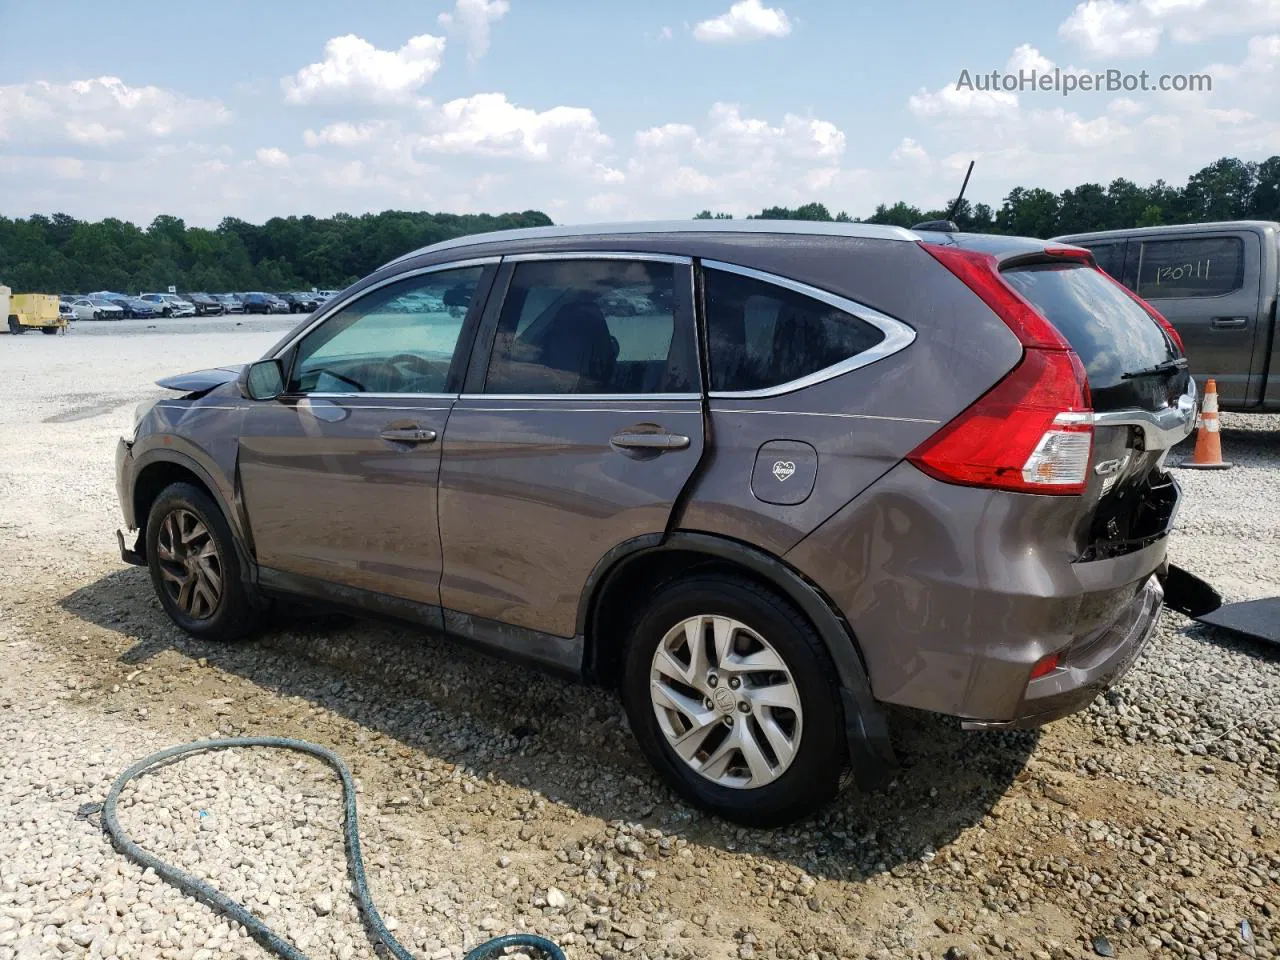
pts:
[1229, 323]
[640, 440]
[410, 435]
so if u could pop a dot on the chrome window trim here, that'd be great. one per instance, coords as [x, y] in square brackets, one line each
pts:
[599, 255]
[328, 310]
[557, 397]
[375, 396]
[897, 335]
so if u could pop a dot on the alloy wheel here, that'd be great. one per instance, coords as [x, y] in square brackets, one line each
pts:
[190, 566]
[726, 701]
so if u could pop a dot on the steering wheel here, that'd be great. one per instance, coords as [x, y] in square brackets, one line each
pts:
[360, 387]
[417, 364]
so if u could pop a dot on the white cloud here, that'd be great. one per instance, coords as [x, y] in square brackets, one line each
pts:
[910, 152]
[951, 101]
[272, 157]
[665, 33]
[963, 101]
[353, 69]
[733, 162]
[745, 20]
[1037, 139]
[101, 112]
[474, 19]
[1135, 28]
[342, 134]
[488, 124]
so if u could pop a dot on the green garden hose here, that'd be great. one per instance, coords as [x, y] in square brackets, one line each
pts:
[202, 891]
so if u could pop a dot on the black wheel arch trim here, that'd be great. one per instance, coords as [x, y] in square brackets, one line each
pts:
[866, 727]
[234, 517]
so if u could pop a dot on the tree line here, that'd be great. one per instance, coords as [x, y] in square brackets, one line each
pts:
[1228, 189]
[60, 254]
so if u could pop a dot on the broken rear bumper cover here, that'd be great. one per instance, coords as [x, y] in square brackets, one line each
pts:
[1088, 667]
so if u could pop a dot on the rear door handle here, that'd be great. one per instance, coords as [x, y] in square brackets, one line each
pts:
[410, 435]
[637, 440]
[1229, 323]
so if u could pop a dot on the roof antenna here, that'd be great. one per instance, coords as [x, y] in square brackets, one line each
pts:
[949, 225]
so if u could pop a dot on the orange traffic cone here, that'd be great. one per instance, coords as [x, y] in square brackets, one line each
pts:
[1208, 455]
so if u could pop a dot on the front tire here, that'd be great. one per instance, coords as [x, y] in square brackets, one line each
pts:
[194, 566]
[15, 327]
[734, 701]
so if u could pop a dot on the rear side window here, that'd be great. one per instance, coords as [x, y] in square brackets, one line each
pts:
[593, 327]
[762, 335]
[1109, 331]
[1110, 256]
[1199, 267]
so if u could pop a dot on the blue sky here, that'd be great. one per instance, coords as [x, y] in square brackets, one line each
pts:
[594, 111]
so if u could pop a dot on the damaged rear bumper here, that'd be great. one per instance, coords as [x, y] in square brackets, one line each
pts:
[1088, 667]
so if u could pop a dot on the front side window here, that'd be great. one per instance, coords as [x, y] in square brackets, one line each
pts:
[1200, 267]
[762, 335]
[593, 326]
[397, 339]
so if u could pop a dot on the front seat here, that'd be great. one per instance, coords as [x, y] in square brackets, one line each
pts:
[577, 345]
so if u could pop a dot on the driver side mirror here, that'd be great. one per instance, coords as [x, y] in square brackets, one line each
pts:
[262, 380]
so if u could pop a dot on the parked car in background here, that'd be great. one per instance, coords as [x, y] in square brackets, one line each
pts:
[301, 302]
[206, 306]
[171, 304]
[760, 511]
[133, 307]
[256, 302]
[86, 309]
[327, 294]
[278, 304]
[230, 302]
[65, 311]
[144, 309]
[1217, 283]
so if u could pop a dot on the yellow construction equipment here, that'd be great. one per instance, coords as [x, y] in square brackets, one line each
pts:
[31, 311]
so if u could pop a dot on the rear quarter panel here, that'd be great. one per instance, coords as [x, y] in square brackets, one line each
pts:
[862, 423]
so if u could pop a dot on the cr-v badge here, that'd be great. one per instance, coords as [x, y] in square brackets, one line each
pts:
[783, 469]
[1107, 467]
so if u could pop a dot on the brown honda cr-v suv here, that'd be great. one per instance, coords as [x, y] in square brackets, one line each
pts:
[765, 478]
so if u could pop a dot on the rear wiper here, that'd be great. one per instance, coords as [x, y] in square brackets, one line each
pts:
[1160, 368]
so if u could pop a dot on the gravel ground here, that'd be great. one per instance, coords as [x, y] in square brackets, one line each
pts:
[494, 799]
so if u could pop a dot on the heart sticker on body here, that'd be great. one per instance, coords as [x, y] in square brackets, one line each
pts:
[783, 469]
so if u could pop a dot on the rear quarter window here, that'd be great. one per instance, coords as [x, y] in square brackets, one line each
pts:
[1196, 267]
[762, 335]
[1110, 256]
[1110, 333]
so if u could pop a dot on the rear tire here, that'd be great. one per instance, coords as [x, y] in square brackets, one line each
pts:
[49, 331]
[759, 653]
[195, 569]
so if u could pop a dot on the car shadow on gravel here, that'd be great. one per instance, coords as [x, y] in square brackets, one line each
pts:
[569, 742]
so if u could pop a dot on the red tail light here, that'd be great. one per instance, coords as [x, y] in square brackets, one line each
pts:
[1155, 314]
[1033, 431]
[1045, 666]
